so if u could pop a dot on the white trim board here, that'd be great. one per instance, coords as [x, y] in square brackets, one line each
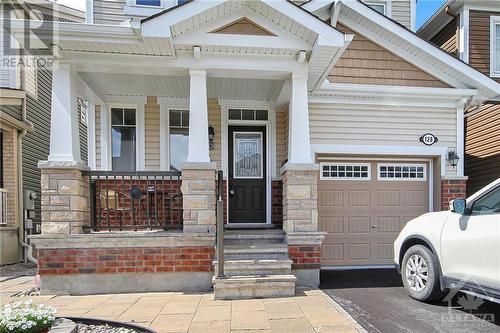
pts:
[441, 152]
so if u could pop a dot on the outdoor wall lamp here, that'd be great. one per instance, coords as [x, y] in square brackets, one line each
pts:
[453, 158]
[211, 137]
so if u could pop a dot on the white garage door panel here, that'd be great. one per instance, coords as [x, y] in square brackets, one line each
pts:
[364, 217]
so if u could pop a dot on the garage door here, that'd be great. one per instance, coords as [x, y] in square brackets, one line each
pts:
[364, 205]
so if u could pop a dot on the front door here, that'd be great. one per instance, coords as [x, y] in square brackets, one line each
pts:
[247, 174]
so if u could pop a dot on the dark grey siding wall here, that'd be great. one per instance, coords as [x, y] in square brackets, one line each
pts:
[35, 145]
[15, 111]
[83, 132]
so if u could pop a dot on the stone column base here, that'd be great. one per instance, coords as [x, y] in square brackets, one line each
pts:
[65, 197]
[199, 197]
[300, 197]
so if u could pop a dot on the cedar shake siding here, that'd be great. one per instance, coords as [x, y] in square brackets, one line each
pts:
[479, 41]
[482, 148]
[365, 62]
[447, 38]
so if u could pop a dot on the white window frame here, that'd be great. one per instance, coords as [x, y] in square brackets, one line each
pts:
[169, 165]
[321, 177]
[386, 5]
[140, 156]
[494, 21]
[402, 165]
[132, 8]
[167, 104]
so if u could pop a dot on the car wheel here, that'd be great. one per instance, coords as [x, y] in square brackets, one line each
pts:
[420, 274]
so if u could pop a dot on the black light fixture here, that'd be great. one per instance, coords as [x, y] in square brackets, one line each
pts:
[211, 137]
[453, 158]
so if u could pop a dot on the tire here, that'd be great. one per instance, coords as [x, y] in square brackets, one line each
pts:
[423, 265]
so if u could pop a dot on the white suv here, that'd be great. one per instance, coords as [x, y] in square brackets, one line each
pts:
[457, 249]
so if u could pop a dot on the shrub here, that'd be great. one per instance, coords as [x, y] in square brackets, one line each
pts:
[26, 317]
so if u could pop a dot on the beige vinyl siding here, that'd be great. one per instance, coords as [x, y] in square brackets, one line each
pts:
[352, 124]
[152, 134]
[365, 62]
[281, 138]
[401, 12]
[214, 119]
[482, 146]
[98, 137]
[109, 12]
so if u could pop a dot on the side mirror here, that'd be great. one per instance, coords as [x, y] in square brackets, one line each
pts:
[458, 206]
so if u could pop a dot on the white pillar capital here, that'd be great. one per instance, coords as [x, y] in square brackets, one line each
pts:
[299, 147]
[198, 118]
[64, 130]
[197, 72]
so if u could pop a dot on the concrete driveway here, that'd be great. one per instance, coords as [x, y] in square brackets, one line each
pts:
[375, 298]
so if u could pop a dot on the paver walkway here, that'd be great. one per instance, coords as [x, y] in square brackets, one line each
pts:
[309, 311]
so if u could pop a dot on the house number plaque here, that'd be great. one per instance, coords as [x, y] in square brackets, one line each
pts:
[428, 139]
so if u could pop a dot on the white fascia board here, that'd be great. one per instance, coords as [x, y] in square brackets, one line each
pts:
[317, 5]
[159, 26]
[398, 91]
[453, 64]
[331, 36]
[233, 40]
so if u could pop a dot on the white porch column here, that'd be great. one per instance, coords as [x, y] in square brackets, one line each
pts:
[198, 118]
[299, 146]
[64, 138]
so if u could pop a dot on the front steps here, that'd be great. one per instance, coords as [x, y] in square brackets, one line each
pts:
[256, 265]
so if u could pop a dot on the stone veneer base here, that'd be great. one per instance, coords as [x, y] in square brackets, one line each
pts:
[85, 284]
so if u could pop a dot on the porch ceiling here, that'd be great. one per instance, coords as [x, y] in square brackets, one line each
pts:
[112, 84]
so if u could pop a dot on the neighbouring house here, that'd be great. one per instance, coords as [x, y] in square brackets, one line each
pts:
[333, 124]
[25, 103]
[470, 31]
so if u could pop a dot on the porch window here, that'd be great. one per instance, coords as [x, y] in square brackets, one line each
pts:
[123, 139]
[495, 46]
[179, 135]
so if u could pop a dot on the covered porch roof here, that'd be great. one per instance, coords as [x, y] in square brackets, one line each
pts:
[187, 37]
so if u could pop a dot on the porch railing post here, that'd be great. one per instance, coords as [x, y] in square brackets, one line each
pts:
[220, 226]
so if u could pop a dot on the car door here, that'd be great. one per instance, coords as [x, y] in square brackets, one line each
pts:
[470, 243]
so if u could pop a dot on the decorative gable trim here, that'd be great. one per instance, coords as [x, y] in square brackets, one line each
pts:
[243, 26]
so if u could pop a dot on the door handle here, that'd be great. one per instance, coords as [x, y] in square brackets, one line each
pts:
[374, 226]
[231, 192]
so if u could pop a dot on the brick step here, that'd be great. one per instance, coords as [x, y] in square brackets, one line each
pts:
[245, 287]
[256, 267]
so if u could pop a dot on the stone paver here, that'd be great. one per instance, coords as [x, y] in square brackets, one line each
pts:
[172, 312]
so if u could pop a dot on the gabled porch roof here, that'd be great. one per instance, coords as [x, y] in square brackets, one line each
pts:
[405, 44]
[185, 37]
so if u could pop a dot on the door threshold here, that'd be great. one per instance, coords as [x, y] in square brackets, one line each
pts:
[251, 226]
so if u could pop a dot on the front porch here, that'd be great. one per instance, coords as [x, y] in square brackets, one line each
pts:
[143, 114]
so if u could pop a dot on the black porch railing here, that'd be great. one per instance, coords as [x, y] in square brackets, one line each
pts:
[139, 200]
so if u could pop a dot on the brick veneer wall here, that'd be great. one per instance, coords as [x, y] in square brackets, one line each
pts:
[452, 189]
[277, 202]
[125, 260]
[305, 256]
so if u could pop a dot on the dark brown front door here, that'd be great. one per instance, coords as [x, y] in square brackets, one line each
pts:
[247, 174]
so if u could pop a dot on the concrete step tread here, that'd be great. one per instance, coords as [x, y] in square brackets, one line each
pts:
[255, 261]
[254, 279]
[255, 248]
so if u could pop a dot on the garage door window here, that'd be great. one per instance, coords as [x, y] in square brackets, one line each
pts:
[345, 171]
[402, 172]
